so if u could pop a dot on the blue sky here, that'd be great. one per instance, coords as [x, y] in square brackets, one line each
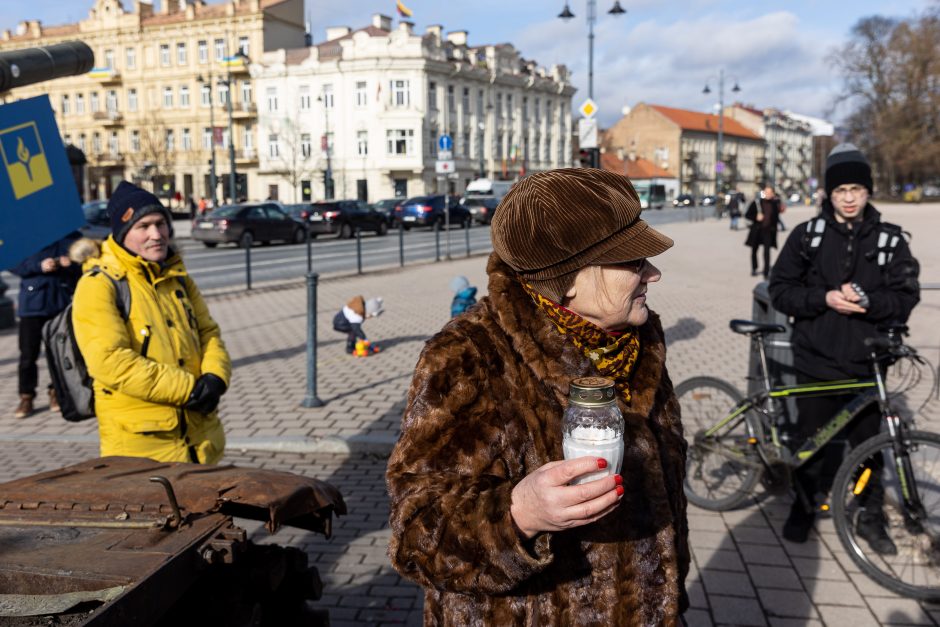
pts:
[659, 52]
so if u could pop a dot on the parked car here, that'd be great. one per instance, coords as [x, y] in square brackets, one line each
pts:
[340, 217]
[429, 211]
[684, 200]
[708, 201]
[97, 222]
[247, 223]
[481, 208]
[387, 208]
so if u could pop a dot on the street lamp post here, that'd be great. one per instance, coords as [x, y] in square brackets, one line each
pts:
[325, 146]
[566, 15]
[719, 164]
[231, 131]
[213, 182]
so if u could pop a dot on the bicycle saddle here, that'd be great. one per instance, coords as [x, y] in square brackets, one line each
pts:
[747, 327]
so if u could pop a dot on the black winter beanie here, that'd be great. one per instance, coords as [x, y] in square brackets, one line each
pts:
[846, 164]
[129, 204]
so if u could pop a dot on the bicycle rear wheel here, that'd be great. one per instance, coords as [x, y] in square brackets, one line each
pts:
[912, 523]
[721, 468]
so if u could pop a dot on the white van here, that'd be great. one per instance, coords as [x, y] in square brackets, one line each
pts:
[487, 187]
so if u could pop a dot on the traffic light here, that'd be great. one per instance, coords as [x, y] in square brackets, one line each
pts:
[589, 157]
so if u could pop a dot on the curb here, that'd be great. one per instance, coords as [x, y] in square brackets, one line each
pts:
[333, 445]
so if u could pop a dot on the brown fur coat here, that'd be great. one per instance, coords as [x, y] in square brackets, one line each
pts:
[484, 410]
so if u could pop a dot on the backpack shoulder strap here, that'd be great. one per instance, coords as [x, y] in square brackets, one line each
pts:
[812, 237]
[121, 287]
[889, 236]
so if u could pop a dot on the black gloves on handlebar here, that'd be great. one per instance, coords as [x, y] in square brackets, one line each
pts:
[206, 394]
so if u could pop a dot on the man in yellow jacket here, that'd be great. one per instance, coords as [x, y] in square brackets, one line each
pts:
[159, 373]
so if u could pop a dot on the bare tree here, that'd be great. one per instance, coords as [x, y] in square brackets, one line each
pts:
[154, 161]
[295, 161]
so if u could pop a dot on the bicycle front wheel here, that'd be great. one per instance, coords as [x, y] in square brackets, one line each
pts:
[905, 477]
[721, 467]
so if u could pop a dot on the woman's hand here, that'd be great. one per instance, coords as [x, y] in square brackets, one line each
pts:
[544, 501]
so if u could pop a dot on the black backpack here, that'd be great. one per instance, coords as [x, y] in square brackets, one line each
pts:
[70, 379]
[889, 236]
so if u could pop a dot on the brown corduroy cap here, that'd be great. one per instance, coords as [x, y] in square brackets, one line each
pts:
[552, 224]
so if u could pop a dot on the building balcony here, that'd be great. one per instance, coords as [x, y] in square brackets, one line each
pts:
[105, 75]
[246, 156]
[109, 118]
[243, 110]
[108, 159]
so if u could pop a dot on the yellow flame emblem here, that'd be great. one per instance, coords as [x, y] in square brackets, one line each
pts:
[22, 153]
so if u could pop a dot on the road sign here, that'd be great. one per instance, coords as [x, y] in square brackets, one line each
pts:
[720, 167]
[445, 155]
[445, 143]
[588, 108]
[445, 167]
[37, 191]
[587, 133]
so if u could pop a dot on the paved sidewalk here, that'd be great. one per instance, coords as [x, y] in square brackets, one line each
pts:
[743, 572]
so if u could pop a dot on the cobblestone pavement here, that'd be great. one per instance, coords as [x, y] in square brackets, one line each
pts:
[743, 573]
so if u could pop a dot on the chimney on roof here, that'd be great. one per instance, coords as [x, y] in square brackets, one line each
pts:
[457, 37]
[620, 153]
[631, 156]
[381, 21]
[406, 26]
[435, 30]
[335, 32]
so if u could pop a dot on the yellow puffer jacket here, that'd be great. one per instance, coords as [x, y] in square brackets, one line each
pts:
[144, 369]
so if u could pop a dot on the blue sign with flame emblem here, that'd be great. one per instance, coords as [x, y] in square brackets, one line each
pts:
[38, 199]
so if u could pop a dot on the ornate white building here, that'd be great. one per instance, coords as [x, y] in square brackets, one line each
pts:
[362, 113]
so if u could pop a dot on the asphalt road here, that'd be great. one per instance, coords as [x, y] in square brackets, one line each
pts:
[224, 267]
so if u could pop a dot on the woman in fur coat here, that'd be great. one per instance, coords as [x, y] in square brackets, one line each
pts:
[482, 515]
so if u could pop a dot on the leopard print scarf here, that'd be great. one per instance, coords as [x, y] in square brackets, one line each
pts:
[614, 355]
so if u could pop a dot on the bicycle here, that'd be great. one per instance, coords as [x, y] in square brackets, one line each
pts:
[731, 451]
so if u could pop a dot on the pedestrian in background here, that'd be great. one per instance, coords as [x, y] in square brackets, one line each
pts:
[349, 319]
[48, 280]
[734, 208]
[465, 295]
[764, 214]
[840, 285]
[160, 371]
[482, 515]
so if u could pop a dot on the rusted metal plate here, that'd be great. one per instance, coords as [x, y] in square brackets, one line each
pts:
[117, 490]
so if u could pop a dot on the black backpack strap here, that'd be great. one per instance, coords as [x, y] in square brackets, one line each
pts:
[889, 236]
[812, 237]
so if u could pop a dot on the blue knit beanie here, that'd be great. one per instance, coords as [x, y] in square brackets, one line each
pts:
[129, 204]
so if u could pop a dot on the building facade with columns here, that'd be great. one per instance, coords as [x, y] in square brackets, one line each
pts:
[360, 114]
[788, 158]
[685, 144]
[160, 76]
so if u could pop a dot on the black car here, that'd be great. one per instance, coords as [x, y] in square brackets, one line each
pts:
[97, 222]
[482, 208]
[684, 200]
[387, 207]
[709, 201]
[429, 211]
[341, 217]
[247, 223]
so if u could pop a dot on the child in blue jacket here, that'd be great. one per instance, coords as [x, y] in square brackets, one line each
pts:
[465, 295]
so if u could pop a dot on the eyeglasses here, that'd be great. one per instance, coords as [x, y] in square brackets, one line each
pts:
[842, 190]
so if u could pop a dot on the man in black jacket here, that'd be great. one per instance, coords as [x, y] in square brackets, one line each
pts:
[814, 280]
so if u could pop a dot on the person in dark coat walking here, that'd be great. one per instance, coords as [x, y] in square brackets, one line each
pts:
[764, 215]
[48, 282]
[814, 281]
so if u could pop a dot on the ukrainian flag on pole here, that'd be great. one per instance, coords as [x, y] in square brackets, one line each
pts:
[403, 11]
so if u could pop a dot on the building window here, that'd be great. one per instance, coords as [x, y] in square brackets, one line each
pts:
[432, 141]
[66, 139]
[223, 94]
[243, 45]
[329, 141]
[96, 143]
[111, 101]
[130, 54]
[451, 103]
[135, 141]
[167, 97]
[132, 100]
[401, 96]
[246, 139]
[181, 54]
[538, 111]
[362, 97]
[304, 92]
[328, 96]
[271, 93]
[400, 141]
[184, 96]
[93, 102]
[79, 103]
[109, 59]
[274, 147]
[164, 54]
[432, 96]
[113, 145]
[170, 142]
[465, 101]
[246, 92]
[207, 138]
[65, 105]
[480, 111]
[511, 111]
[305, 148]
[466, 144]
[82, 144]
[478, 153]
[203, 48]
[187, 140]
[525, 109]
[362, 143]
[499, 106]
[205, 95]
[219, 49]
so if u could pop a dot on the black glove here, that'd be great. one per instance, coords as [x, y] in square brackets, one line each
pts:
[206, 394]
